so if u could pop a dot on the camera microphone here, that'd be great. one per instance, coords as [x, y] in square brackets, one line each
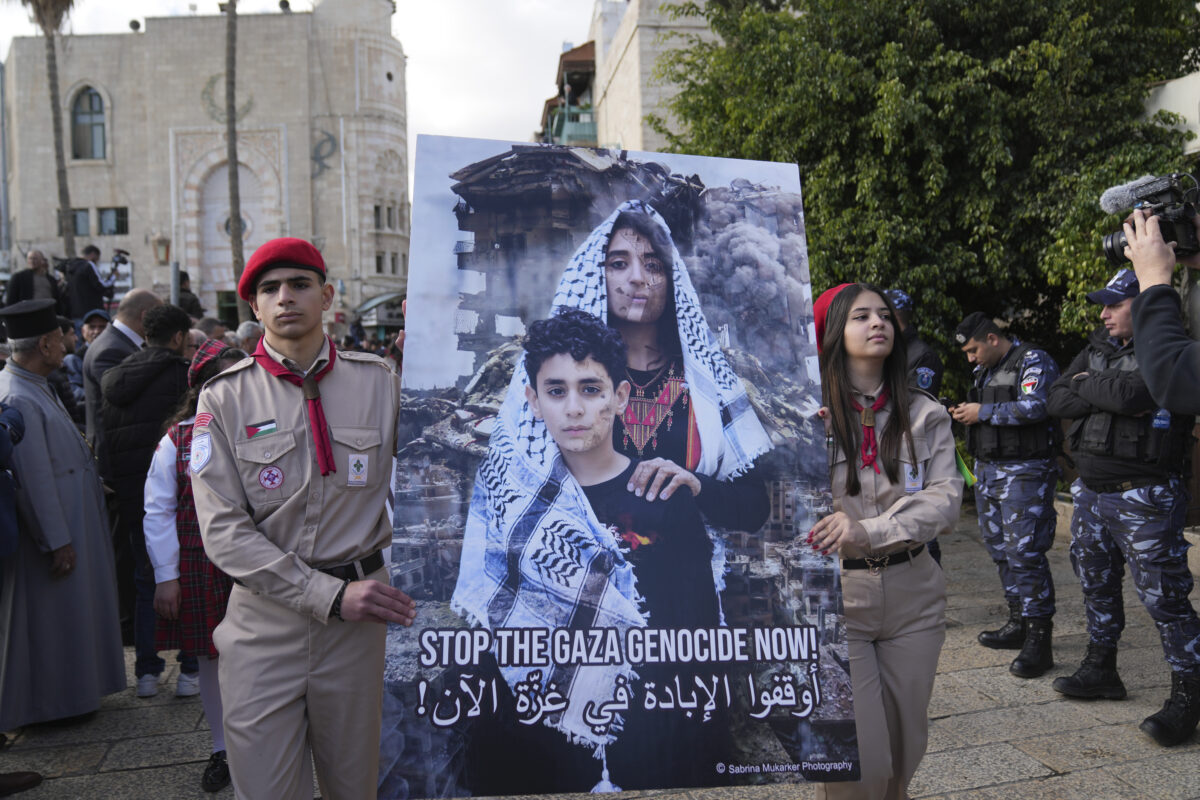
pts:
[1120, 198]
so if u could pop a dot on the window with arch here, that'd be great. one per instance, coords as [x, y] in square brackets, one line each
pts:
[87, 125]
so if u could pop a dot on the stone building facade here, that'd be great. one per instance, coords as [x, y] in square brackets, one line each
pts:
[630, 36]
[321, 145]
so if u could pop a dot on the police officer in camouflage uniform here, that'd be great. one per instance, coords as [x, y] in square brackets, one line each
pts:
[924, 366]
[1130, 504]
[1014, 441]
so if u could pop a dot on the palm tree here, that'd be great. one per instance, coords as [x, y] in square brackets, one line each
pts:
[231, 153]
[49, 15]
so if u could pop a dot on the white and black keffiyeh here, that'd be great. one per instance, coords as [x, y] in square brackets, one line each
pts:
[534, 554]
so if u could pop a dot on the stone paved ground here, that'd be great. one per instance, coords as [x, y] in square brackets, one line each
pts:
[992, 737]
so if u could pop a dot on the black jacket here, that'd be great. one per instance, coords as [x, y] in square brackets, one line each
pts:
[190, 303]
[1108, 393]
[84, 289]
[107, 350]
[1169, 358]
[139, 395]
[20, 287]
[921, 357]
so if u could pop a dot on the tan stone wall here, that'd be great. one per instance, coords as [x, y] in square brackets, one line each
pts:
[627, 89]
[321, 107]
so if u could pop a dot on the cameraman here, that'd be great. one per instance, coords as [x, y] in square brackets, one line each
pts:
[1169, 358]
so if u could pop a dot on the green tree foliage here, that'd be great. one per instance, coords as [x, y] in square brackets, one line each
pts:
[953, 148]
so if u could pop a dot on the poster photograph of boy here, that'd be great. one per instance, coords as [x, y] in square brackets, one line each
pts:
[609, 463]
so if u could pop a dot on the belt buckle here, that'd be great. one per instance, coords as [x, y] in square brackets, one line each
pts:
[876, 565]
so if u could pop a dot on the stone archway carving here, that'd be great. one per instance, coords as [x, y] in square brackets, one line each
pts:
[199, 154]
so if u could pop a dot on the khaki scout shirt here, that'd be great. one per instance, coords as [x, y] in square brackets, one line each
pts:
[923, 503]
[267, 515]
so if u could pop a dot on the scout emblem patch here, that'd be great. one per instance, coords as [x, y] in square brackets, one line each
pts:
[358, 469]
[201, 451]
[924, 377]
[202, 421]
[261, 429]
[270, 477]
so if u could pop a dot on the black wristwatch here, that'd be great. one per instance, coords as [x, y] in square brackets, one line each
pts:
[336, 609]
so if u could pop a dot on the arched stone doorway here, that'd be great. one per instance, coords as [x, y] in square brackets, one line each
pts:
[216, 252]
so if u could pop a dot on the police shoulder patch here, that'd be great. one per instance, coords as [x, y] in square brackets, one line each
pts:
[201, 451]
[924, 377]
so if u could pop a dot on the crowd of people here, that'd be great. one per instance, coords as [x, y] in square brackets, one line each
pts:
[248, 472]
[104, 538]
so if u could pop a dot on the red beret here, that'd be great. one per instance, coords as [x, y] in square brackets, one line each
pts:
[821, 309]
[283, 252]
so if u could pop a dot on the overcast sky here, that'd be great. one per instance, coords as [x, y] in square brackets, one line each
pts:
[479, 68]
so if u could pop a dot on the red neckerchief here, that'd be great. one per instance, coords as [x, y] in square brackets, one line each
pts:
[312, 397]
[870, 447]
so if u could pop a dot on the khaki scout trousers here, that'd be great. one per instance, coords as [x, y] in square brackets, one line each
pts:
[292, 686]
[895, 625]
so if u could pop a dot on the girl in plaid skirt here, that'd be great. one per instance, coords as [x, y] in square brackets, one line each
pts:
[191, 594]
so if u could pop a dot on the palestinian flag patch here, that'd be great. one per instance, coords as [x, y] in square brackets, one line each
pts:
[261, 429]
[1028, 385]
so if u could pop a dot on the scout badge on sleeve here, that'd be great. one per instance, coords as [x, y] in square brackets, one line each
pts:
[201, 451]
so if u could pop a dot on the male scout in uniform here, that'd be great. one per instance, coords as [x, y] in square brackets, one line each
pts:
[291, 459]
[1130, 504]
[1013, 439]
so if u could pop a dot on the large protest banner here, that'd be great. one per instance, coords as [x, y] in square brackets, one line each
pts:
[574, 636]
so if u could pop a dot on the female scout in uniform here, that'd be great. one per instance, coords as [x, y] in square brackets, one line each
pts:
[895, 487]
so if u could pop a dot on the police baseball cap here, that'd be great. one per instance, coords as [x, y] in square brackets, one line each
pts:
[1122, 286]
[969, 327]
[286, 251]
[900, 299]
[97, 312]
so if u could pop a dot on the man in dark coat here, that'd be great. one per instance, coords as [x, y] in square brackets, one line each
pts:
[139, 395]
[87, 287]
[188, 300]
[36, 282]
[119, 340]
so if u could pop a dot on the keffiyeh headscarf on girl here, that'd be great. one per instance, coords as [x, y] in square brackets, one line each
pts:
[534, 554]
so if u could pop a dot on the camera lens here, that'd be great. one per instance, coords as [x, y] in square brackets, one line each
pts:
[1114, 248]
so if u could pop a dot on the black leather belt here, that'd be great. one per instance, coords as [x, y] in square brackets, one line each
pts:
[1125, 486]
[875, 564]
[356, 570]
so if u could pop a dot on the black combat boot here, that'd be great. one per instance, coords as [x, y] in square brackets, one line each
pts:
[1175, 723]
[1035, 657]
[1009, 636]
[1096, 677]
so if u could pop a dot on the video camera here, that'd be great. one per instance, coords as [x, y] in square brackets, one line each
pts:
[1165, 198]
[120, 256]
